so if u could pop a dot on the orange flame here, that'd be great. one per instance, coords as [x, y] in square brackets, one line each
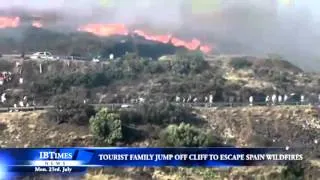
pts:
[193, 45]
[105, 30]
[37, 24]
[205, 49]
[157, 38]
[121, 29]
[116, 29]
[9, 22]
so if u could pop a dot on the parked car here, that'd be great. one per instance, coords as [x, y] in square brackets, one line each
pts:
[43, 55]
[96, 59]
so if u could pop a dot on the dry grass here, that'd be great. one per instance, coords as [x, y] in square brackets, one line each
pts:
[288, 124]
[31, 129]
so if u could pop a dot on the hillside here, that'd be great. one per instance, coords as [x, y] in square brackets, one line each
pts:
[130, 77]
[23, 129]
[30, 40]
[242, 126]
[247, 126]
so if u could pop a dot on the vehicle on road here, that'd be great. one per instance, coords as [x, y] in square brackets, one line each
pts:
[43, 55]
[125, 106]
[96, 59]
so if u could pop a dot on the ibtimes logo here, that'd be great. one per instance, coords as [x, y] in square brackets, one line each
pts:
[55, 156]
[54, 162]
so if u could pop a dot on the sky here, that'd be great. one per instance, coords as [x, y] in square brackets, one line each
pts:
[171, 6]
[49, 4]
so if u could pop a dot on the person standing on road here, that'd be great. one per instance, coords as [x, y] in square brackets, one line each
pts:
[210, 100]
[251, 100]
[3, 98]
[280, 99]
[177, 99]
[302, 99]
[205, 99]
[285, 98]
[274, 99]
[267, 100]
[189, 99]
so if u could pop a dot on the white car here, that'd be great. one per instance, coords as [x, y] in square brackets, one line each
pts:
[43, 55]
[125, 106]
[96, 60]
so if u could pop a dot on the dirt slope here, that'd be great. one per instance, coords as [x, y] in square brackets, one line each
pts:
[280, 125]
[293, 125]
[31, 129]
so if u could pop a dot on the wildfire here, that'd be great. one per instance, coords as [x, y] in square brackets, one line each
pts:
[37, 24]
[121, 29]
[9, 22]
[205, 49]
[105, 30]
[117, 29]
[158, 38]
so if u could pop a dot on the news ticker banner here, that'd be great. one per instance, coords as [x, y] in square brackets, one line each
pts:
[73, 160]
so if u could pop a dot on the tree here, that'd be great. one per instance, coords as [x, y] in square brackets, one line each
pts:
[189, 63]
[106, 127]
[294, 170]
[163, 113]
[185, 135]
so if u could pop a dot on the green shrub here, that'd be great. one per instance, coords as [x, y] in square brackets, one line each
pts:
[240, 63]
[163, 113]
[70, 110]
[189, 63]
[157, 113]
[185, 135]
[294, 170]
[106, 127]
[156, 67]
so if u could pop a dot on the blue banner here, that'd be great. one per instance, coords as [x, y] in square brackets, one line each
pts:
[75, 160]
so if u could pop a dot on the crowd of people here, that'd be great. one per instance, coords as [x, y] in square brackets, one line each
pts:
[282, 99]
[5, 76]
[274, 99]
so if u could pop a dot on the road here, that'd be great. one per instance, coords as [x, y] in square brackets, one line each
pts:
[119, 105]
[61, 58]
